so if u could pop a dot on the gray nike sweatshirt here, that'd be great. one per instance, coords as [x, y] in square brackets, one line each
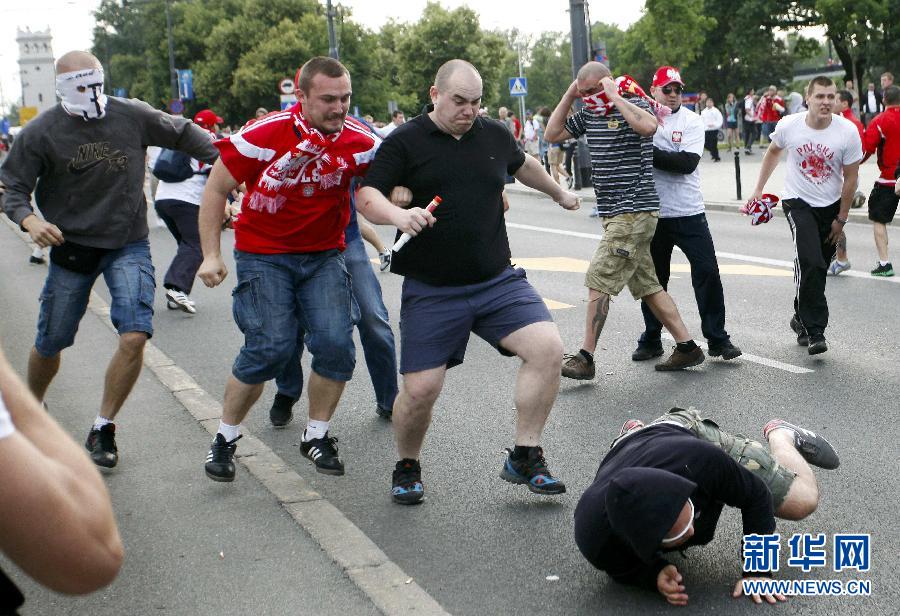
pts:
[88, 177]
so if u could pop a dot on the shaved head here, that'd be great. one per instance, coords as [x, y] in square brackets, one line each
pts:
[77, 61]
[593, 70]
[449, 69]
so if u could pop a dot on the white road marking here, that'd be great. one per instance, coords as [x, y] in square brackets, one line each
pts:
[721, 255]
[756, 359]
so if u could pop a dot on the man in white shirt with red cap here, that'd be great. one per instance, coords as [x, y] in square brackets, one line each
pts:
[677, 148]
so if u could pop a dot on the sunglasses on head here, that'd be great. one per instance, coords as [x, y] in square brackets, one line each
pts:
[674, 88]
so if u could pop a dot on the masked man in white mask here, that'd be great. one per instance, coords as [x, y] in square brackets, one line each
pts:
[84, 161]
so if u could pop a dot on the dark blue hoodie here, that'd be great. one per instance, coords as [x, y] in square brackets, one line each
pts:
[640, 488]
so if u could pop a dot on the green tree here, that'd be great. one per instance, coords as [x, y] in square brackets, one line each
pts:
[669, 32]
[442, 35]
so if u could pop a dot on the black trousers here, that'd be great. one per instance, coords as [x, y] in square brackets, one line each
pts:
[810, 227]
[691, 235]
[711, 143]
[182, 220]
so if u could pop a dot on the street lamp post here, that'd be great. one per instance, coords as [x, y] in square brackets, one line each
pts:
[173, 75]
[332, 37]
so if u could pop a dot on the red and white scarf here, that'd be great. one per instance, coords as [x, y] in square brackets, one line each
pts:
[312, 148]
[600, 105]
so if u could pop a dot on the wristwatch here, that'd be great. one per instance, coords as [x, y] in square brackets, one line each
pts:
[843, 221]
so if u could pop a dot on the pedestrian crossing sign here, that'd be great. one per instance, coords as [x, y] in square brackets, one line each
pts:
[518, 86]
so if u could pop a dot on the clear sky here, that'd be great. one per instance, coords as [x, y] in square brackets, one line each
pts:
[71, 22]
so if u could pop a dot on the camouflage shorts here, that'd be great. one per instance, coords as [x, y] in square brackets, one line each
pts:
[752, 455]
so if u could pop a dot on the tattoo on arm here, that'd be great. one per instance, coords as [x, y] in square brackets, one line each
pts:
[599, 320]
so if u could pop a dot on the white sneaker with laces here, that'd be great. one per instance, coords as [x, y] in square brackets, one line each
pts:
[385, 260]
[176, 300]
[837, 267]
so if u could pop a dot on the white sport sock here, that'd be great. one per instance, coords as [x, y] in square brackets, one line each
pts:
[38, 252]
[882, 263]
[315, 429]
[100, 422]
[228, 431]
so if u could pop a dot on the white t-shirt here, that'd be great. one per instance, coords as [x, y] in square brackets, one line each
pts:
[679, 193]
[6, 424]
[816, 158]
[712, 118]
[749, 109]
[190, 190]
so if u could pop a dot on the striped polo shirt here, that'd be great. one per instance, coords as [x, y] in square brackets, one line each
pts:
[621, 161]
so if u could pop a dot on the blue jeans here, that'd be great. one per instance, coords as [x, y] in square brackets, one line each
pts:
[691, 235]
[279, 297]
[128, 272]
[374, 332]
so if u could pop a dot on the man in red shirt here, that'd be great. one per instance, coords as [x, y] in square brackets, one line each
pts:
[843, 107]
[289, 238]
[772, 108]
[882, 137]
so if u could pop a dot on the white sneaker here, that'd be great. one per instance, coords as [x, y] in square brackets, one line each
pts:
[385, 259]
[176, 300]
[837, 267]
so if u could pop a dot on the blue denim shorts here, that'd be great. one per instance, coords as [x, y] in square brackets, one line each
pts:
[435, 322]
[279, 295]
[129, 275]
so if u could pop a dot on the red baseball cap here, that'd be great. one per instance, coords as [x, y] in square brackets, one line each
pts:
[666, 75]
[207, 118]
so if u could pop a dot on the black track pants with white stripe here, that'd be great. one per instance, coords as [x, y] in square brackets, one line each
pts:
[813, 252]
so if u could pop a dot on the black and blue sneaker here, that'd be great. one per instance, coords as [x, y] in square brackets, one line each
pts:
[406, 487]
[531, 469]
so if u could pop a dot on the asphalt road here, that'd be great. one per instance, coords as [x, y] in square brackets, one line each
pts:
[482, 546]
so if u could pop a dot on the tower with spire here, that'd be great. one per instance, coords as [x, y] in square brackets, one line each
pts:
[36, 68]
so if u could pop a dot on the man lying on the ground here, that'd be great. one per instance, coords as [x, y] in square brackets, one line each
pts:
[661, 489]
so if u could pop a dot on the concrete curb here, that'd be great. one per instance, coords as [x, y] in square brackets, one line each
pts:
[857, 215]
[389, 588]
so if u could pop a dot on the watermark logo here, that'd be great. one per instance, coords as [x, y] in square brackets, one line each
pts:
[807, 551]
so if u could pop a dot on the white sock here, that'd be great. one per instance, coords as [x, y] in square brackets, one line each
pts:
[100, 422]
[882, 263]
[37, 251]
[229, 432]
[315, 429]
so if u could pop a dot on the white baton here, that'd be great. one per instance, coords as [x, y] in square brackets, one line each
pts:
[406, 236]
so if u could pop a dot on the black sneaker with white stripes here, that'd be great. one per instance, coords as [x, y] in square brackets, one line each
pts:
[323, 453]
[220, 459]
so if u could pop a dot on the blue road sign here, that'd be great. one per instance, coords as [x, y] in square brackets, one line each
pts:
[185, 84]
[176, 106]
[518, 86]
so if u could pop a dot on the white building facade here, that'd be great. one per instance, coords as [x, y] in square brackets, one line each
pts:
[36, 69]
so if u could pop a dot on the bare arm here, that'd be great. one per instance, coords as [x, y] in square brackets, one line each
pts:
[212, 212]
[56, 519]
[556, 126]
[379, 210]
[642, 122]
[848, 190]
[769, 162]
[533, 175]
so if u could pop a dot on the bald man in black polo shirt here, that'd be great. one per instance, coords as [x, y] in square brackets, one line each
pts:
[458, 277]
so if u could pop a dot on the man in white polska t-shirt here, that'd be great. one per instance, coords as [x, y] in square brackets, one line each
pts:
[823, 155]
[677, 148]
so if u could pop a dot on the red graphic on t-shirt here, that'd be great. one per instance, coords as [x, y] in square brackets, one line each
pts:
[676, 136]
[814, 162]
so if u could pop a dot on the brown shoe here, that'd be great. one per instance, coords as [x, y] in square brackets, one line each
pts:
[679, 360]
[577, 367]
